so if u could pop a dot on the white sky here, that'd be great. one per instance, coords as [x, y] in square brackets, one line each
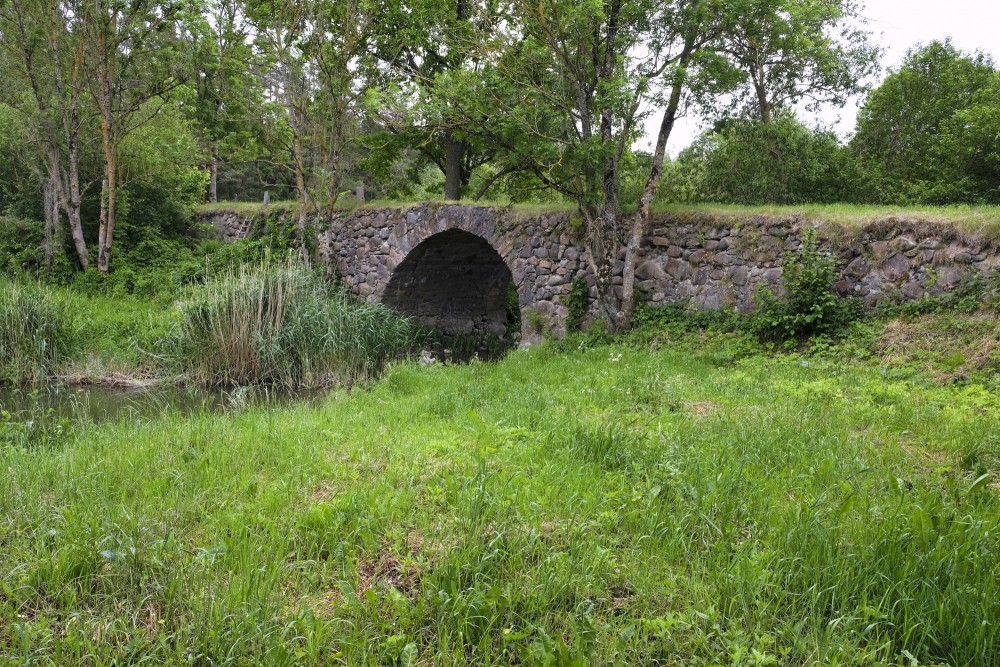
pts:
[897, 25]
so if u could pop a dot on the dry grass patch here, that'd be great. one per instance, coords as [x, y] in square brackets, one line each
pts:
[947, 346]
[702, 408]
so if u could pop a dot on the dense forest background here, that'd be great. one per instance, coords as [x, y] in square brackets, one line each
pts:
[116, 119]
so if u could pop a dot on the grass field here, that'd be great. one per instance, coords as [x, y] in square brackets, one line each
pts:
[670, 502]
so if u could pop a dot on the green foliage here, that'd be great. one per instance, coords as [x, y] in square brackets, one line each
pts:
[283, 325]
[36, 331]
[577, 301]
[781, 53]
[536, 323]
[928, 134]
[808, 305]
[21, 250]
[751, 163]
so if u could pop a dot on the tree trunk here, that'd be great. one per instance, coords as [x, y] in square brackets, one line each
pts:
[109, 194]
[52, 187]
[109, 142]
[453, 153]
[69, 107]
[102, 222]
[641, 218]
[109, 197]
[603, 249]
[333, 185]
[213, 183]
[73, 203]
[302, 194]
[766, 115]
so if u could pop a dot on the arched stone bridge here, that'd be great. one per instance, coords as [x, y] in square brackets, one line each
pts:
[451, 266]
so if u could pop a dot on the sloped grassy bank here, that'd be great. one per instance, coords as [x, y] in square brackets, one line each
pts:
[679, 499]
[266, 324]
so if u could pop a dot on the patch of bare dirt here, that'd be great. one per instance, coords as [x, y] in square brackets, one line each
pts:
[386, 570]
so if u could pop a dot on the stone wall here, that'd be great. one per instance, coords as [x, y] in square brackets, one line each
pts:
[705, 261]
[228, 225]
[714, 262]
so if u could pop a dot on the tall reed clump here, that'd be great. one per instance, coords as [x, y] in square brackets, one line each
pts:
[36, 331]
[284, 325]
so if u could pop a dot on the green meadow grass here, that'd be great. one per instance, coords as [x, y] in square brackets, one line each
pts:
[570, 505]
[243, 207]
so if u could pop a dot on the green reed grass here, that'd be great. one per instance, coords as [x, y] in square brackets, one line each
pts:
[285, 325]
[36, 331]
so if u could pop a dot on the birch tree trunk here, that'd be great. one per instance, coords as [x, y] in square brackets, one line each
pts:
[69, 107]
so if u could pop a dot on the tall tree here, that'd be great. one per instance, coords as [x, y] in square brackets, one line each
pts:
[901, 123]
[44, 49]
[226, 82]
[572, 86]
[787, 52]
[337, 48]
[133, 52]
[314, 48]
[420, 45]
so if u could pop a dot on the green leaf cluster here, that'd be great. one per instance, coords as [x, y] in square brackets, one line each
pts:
[806, 304]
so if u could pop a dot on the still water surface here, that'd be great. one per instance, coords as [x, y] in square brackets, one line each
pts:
[103, 404]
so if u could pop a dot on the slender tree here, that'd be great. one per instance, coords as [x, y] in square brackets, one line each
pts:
[787, 52]
[227, 84]
[133, 54]
[44, 51]
[337, 48]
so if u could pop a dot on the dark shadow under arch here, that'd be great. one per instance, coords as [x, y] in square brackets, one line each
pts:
[455, 282]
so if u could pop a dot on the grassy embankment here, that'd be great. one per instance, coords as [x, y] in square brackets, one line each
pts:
[971, 220]
[683, 499]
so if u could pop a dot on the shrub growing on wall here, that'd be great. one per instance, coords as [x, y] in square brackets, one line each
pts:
[576, 303]
[806, 305]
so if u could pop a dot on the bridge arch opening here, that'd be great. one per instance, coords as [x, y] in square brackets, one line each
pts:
[457, 283]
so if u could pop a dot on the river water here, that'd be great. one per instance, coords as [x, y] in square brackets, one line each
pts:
[102, 404]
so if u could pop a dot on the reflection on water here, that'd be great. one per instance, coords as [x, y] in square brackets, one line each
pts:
[102, 404]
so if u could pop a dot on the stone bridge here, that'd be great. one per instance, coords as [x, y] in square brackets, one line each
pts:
[452, 266]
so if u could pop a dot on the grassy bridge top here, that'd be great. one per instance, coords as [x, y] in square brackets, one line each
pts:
[983, 221]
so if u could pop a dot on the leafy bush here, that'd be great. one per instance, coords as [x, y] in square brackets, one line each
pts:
[284, 325]
[809, 306]
[747, 162]
[35, 331]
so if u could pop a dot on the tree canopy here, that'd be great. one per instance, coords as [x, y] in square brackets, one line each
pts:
[117, 118]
